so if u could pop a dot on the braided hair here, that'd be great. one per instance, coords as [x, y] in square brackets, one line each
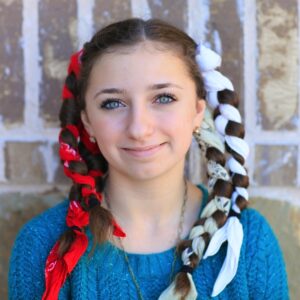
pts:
[220, 131]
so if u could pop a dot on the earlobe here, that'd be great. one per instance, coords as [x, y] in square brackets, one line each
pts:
[86, 123]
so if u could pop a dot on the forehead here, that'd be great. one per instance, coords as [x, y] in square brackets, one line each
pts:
[146, 58]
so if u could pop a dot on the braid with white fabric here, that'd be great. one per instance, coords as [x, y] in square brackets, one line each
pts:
[220, 130]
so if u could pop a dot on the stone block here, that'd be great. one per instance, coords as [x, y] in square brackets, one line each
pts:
[106, 12]
[24, 163]
[278, 48]
[60, 177]
[11, 67]
[57, 41]
[174, 12]
[275, 165]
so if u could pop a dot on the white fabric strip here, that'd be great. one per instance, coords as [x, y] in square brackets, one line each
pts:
[198, 246]
[232, 231]
[238, 145]
[235, 166]
[230, 112]
[185, 256]
[212, 99]
[221, 123]
[196, 231]
[243, 192]
[207, 59]
[215, 81]
[233, 199]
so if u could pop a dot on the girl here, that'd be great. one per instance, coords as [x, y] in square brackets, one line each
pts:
[134, 227]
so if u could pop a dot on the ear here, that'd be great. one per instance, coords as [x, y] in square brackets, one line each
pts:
[200, 109]
[86, 123]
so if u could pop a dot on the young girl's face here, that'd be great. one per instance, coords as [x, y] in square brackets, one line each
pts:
[142, 107]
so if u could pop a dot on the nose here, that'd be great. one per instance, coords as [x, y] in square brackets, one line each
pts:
[140, 122]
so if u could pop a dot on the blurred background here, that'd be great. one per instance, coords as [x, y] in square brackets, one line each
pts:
[259, 44]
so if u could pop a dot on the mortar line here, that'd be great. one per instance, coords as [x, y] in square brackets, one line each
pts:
[34, 188]
[51, 164]
[85, 21]
[140, 9]
[250, 90]
[278, 138]
[32, 70]
[26, 135]
[298, 158]
[3, 164]
[198, 17]
[284, 194]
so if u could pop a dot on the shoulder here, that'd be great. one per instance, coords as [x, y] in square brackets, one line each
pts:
[47, 225]
[250, 217]
[264, 262]
[40, 233]
[255, 225]
[259, 237]
[30, 250]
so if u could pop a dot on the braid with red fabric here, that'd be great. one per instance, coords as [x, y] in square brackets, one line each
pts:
[82, 163]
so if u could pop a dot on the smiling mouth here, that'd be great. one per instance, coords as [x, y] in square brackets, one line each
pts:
[143, 148]
[144, 151]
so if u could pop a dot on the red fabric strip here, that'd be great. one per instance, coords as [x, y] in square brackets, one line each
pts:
[81, 179]
[66, 93]
[58, 268]
[85, 138]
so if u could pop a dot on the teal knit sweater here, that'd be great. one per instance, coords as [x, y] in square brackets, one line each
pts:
[104, 275]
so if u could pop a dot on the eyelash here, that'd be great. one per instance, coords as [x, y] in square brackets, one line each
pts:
[170, 96]
[108, 102]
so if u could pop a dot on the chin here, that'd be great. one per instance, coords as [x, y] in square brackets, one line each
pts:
[154, 171]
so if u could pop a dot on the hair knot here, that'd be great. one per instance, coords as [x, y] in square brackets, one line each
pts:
[93, 202]
[186, 269]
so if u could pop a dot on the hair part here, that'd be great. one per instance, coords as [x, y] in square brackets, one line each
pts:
[131, 32]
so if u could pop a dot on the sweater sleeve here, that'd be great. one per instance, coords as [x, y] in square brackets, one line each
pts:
[29, 254]
[266, 272]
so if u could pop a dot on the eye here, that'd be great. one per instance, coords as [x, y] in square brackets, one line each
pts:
[165, 98]
[110, 104]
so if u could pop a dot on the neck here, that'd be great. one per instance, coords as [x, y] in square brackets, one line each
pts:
[145, 201]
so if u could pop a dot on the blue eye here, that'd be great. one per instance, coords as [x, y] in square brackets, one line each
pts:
[165, 98]
[110, 104]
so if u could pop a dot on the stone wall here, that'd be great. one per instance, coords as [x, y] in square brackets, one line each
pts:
[259, 43]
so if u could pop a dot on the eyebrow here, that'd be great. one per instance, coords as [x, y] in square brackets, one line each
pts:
[156, 86]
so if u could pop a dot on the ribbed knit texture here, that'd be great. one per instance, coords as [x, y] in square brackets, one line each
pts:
[104, 275]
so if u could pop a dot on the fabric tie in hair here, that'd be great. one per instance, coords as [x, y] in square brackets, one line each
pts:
[170, 294]
[232, 231]
[58, 268]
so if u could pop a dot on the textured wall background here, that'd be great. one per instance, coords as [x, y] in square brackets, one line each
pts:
[259, 43]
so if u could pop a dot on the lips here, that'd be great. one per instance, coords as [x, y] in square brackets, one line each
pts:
[144, 151]
[143, 148]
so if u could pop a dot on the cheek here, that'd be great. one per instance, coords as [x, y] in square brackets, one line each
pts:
[183, 120]
[102, 132]
[181, 128]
